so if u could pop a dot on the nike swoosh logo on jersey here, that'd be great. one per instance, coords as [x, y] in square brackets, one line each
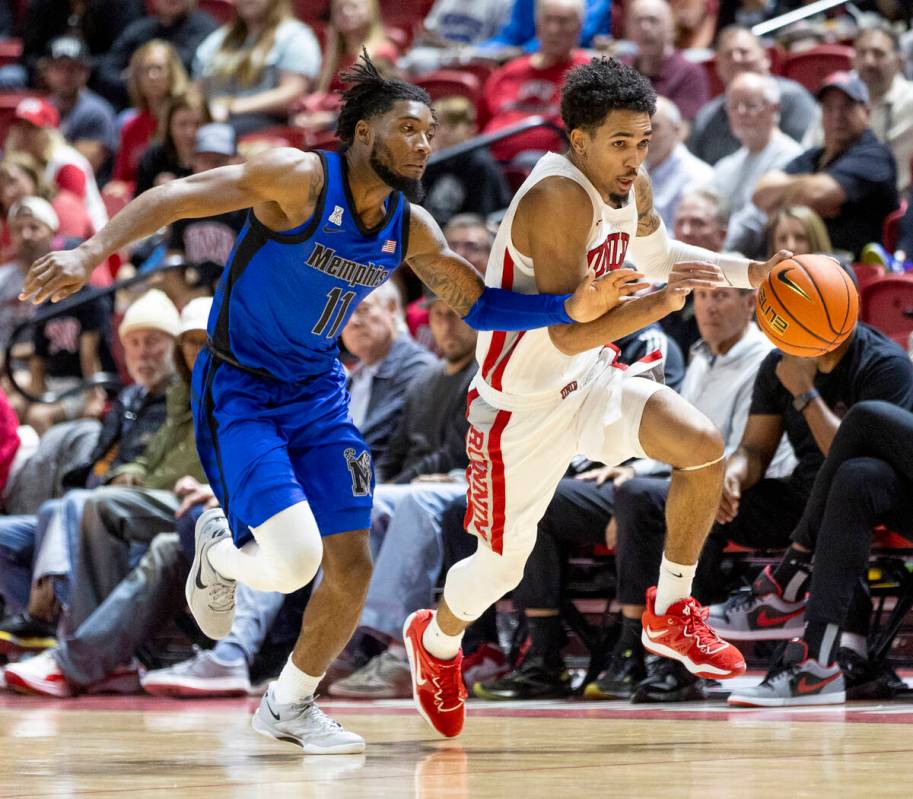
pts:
[785, 279]
[764, 620]
[807, 686]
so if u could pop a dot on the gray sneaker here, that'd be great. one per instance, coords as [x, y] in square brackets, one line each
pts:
[304, 724]
[758, 613]
[795, 680]
[383, 677]
[201, 675]
[210, 595]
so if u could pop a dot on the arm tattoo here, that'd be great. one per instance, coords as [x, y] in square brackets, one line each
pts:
[453, 281]
[647, 218]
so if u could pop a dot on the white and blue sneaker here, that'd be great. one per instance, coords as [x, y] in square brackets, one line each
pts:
[304, 724]
[211, 596]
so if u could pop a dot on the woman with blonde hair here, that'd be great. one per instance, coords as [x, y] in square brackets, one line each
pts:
[252, 69]
[354, 24]
[799, 229]
[156, 75]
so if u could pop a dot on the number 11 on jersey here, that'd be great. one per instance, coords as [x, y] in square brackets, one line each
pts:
[335, 298]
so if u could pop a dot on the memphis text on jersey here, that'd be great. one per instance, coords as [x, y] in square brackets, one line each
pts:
[327, 261]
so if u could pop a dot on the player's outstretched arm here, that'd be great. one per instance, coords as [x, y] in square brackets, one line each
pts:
[454, 280]
[657, 255]
[278, 184]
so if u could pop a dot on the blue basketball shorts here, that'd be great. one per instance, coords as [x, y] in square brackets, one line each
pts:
[266, 445]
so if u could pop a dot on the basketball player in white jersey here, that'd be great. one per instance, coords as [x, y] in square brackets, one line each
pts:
[542, 396]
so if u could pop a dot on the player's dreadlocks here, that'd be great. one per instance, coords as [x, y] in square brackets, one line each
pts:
[370, 95]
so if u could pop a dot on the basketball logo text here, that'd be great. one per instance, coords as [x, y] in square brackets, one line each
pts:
[360, 472]
[477, 477]
[774, 321]
[609, 255]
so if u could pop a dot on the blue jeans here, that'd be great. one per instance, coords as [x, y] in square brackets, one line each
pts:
[411, 557]
[17, 548]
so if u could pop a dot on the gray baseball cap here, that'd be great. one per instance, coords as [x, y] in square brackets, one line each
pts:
[217, 137]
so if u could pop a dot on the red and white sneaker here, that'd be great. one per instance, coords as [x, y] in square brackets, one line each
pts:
[682, 634]
[38, 675]
[487, 663]
[437, 685]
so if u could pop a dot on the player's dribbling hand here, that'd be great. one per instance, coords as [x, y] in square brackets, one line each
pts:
[593, 297]
[56, 275]
[759, 270]
[687, 276]
[729, 502]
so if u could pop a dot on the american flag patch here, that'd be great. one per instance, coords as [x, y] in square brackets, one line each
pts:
[389, 246]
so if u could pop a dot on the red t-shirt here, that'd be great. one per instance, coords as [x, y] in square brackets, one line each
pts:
[134, 139]
[9, 438]
[75, 221]
[518, 90]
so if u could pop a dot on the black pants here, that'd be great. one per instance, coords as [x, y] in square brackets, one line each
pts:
[577, 515]
[866, 479]
[768, 512]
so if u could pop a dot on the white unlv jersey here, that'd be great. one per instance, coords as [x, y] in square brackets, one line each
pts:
[524, 369]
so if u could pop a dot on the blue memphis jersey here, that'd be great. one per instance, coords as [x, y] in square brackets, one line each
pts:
[284, 298]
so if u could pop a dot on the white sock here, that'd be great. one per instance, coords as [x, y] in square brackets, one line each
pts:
[674, 584]
[438, 643]
[856, 642]
[294, 685]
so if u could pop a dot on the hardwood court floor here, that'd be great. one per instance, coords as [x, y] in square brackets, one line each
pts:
[145, 747]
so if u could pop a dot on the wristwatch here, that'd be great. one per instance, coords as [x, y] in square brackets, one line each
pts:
[801, 401]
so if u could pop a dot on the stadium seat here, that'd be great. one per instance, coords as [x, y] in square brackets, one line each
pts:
[887, 305]
[810, 67]
[716, 85]
[867, 274]
[450, 82]
[312, 10]
[10, 51]
[891, 230]
[221, 11]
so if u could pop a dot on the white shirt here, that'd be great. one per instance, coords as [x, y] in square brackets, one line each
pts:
[360, 391]
[720, 387]
[891, 121]
[680, 171]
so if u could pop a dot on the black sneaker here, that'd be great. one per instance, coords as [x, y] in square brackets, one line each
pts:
[22, 633]
[867, 680]
[669, 681]
[533, 679]
[625, 671]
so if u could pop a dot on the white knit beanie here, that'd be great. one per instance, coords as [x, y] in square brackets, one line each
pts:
[151, 311]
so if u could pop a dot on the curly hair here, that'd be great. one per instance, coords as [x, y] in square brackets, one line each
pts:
[593, 90]
[371, 95]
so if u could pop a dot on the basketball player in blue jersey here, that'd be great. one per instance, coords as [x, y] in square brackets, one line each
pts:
[291, 471]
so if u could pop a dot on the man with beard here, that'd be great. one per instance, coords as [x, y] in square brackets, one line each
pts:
[271, 409]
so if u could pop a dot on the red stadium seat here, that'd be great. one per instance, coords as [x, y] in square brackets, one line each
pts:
[481, 69]
[278, 136]
[810, 67]
[716, 85]
[891, 230]
[404, 12]
[10, 51]
[887, 305]
[450, 82]
[222, 11]
[312, 10]
[867, 274]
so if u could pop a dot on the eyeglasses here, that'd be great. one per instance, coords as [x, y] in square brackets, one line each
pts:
[746, 108]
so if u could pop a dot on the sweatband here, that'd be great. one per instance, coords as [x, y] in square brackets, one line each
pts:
[499, 309]
[654, 255]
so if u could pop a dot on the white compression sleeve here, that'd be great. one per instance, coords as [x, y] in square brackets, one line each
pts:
[655, 254]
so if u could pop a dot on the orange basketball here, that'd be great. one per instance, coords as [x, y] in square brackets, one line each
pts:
[808, 305]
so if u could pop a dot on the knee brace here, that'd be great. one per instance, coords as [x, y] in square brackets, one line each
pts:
[476, 583]
[290, 547]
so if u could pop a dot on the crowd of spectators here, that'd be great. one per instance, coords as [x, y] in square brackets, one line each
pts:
[101, 485]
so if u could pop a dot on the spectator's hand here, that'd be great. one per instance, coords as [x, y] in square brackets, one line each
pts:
[56, 275]
[127, 479]
[203, 493]
[185, 485]
[729, 502]
[433, 478]
[96, 400]
[617, 474]
[594, 297]
[611, 534]
[220, 109]
[688, 275]
[797, 374]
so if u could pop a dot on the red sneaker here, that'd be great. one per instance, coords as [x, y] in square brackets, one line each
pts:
[682, 634]
[437, 685]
